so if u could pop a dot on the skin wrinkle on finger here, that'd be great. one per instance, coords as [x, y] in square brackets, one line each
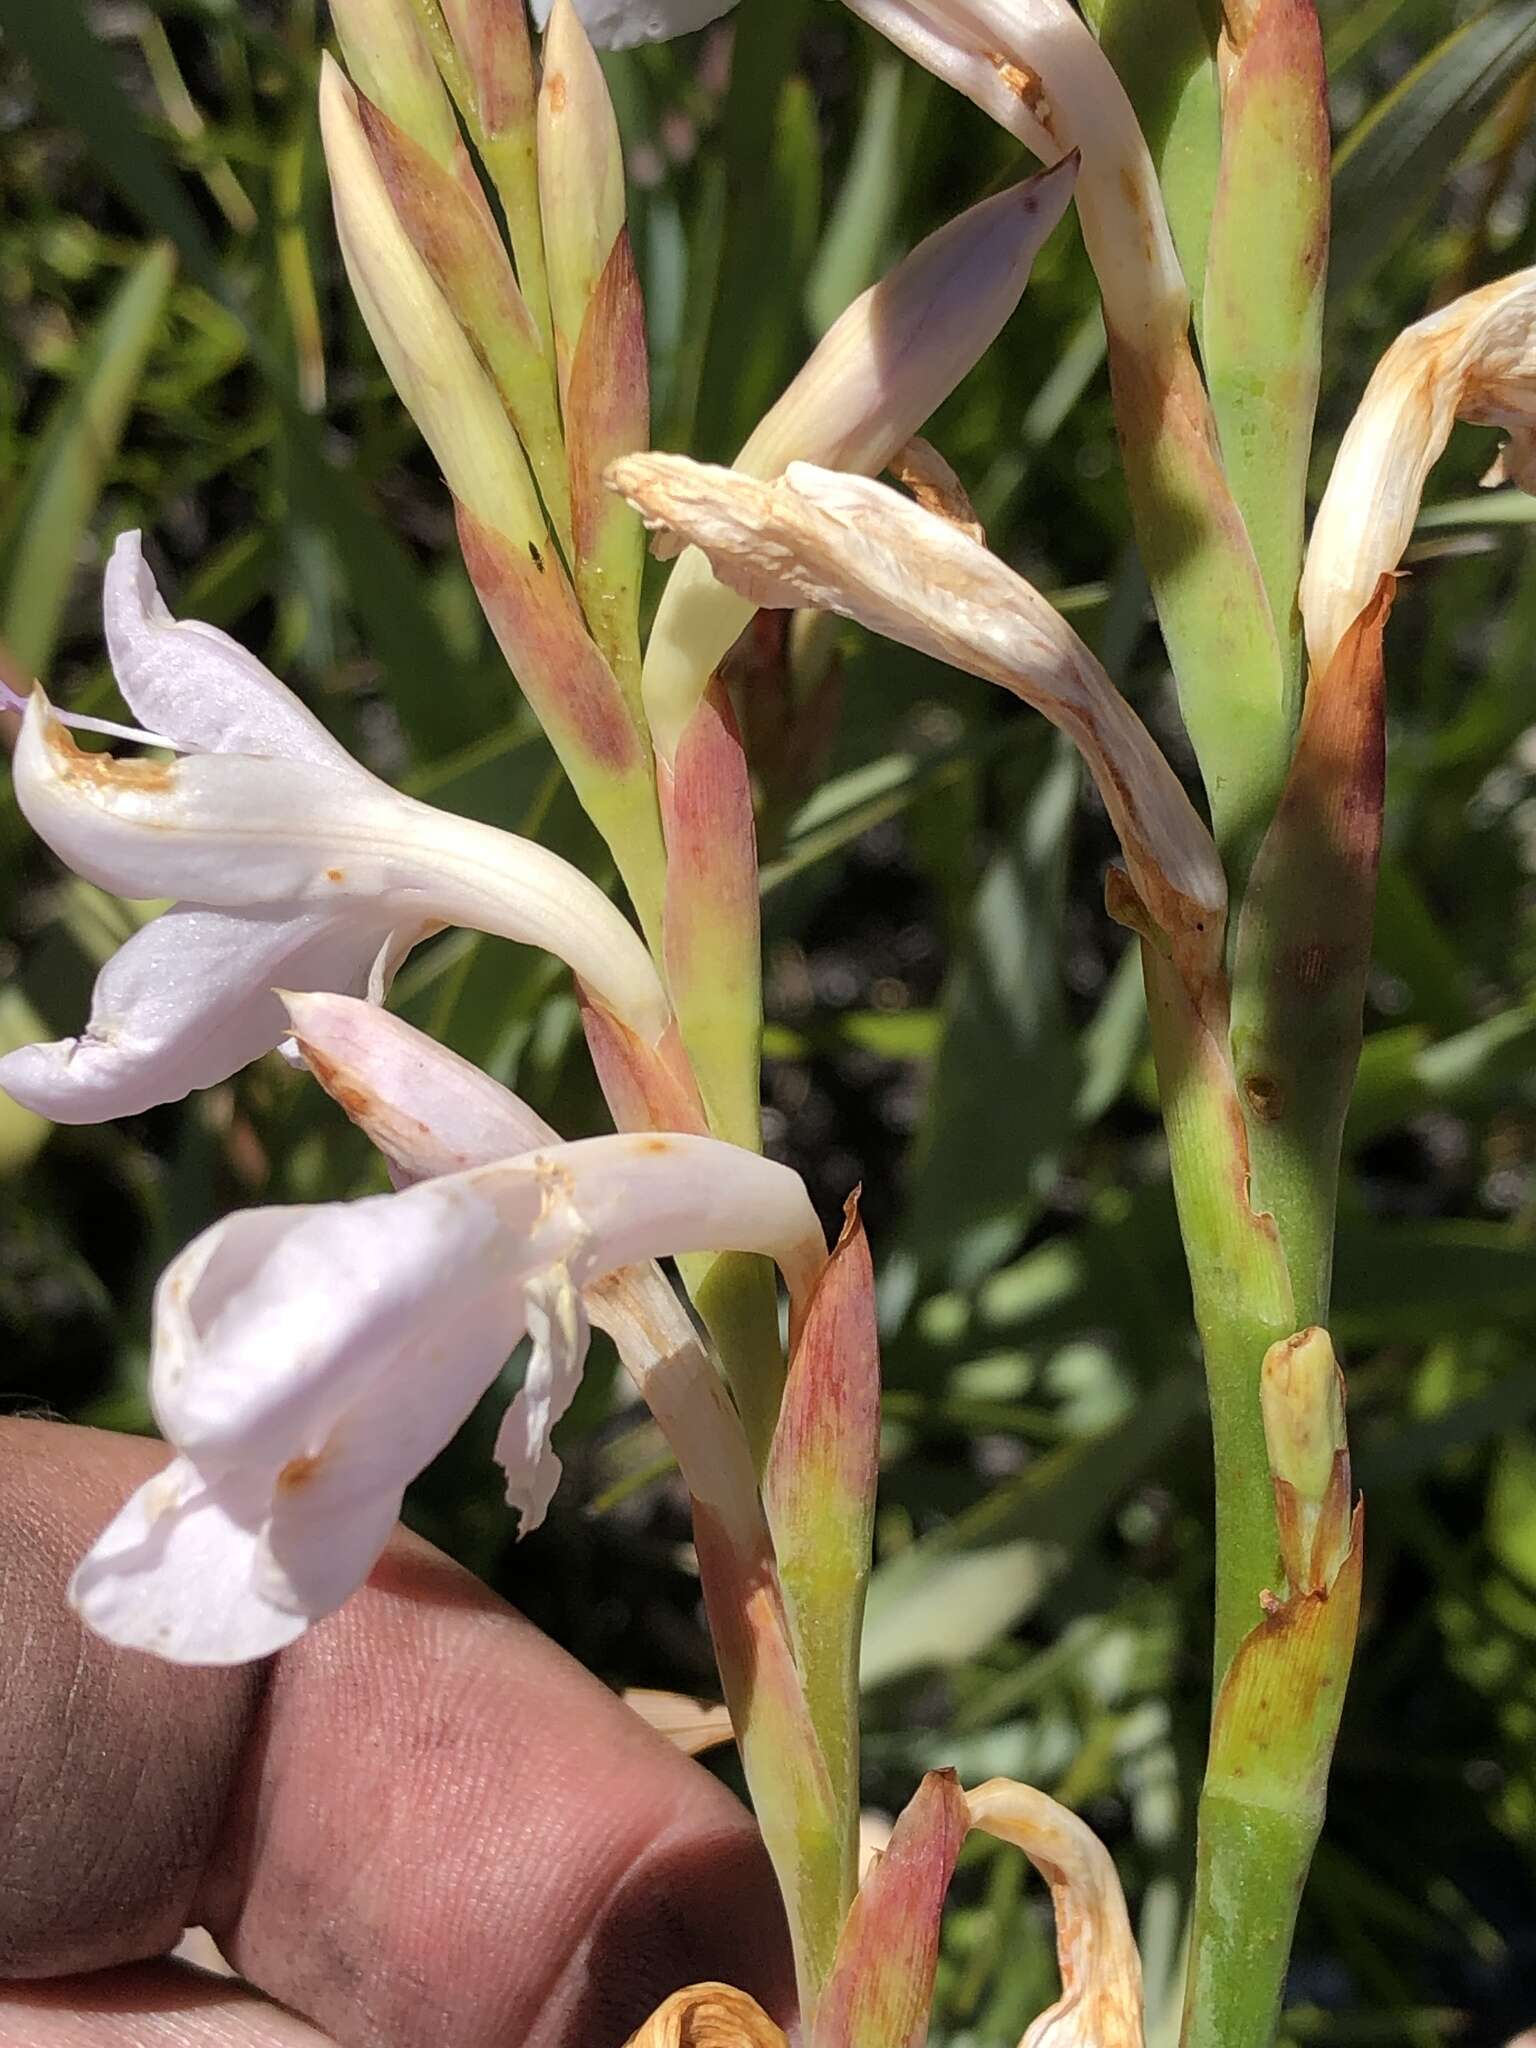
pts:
[536, 1822]
[147, 2005]
[440, 1828]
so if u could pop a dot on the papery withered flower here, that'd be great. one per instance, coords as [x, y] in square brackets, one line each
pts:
[851, 545]
[878, 373]
[432, 1113]
[709, 2016]
[1037, 69]
[1101, 2002]
[287, 861]
[307, 1362]
[619, 24]
[1474, 360]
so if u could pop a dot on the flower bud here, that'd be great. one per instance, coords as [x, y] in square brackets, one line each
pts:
[388, 60]
[424, 349]
[581, 176]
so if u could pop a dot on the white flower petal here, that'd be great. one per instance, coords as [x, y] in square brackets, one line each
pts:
[558, 1327]
[187, 1002]
[176, 1572]
[195, 684]
[274, 1324]
[618, 24]
[332, 1515]
[648, 1195]
[237, 830]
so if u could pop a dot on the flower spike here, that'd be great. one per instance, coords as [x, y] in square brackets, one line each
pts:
[1474, 360]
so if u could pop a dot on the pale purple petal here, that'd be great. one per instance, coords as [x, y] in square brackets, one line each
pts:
[558, 1327]
[176, 1572]
[428, 1111]
[187, 1002]
[618, 24]
[195, 684]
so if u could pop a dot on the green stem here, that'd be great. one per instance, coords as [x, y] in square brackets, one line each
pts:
[736, 1295]
[1251, 1867]
[1242, 1291]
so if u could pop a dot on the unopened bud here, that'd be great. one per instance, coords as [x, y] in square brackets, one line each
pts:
[388, 60]
[491, 37]
[430, 362]
[889, 362]
[581, 176]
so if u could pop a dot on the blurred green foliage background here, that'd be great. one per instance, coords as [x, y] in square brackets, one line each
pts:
[952, 1018]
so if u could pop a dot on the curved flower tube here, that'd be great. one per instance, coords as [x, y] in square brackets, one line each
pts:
[308, 1362]
[1474, 360]
[430, 1113]
[1035, 67]
[288, 862]
[848, 544]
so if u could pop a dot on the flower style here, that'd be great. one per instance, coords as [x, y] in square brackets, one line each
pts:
[1474, 360]
[308, 1362]
[851, 545]
[289, 864]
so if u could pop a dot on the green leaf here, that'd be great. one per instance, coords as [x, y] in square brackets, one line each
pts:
[1396, 158]
[43, 534]
[1000, 1102]
[864, 215]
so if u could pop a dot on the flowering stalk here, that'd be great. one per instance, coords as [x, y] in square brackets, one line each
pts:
[1261, 339]
[1034, 66]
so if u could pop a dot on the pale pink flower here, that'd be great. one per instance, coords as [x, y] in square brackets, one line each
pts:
[431, 1112]
[308, 1362]
[289, 864]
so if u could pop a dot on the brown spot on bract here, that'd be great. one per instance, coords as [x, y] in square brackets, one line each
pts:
[335, 874]
[554, 87]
